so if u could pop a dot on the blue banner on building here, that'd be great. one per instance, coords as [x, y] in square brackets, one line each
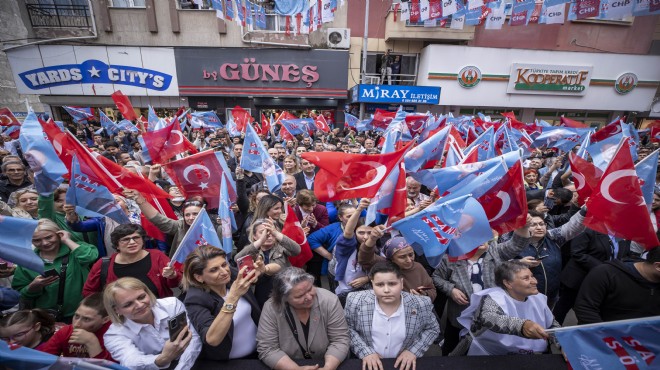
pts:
[395, 94]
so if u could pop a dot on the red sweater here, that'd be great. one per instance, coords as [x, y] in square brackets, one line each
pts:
[158, 261]
[59, 345]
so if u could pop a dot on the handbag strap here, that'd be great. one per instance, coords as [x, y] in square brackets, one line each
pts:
[60, 291]
[290, 319]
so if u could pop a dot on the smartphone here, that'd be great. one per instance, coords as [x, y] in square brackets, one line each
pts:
[51, 273]
[542, 257]
[176, 324]
[246, 261]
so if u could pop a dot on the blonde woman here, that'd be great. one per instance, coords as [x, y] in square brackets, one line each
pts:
[139, 335]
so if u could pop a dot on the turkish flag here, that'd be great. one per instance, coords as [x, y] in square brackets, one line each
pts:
[514, 121]
[416, 123]
[131, 180]
[382, 118]
[124, 105]
[265, 125]
[241, 118]
[7, 119]
[285, 115]
[458, 139]
[506, 202]
[285, 134]
[346, 176]
[655, 134]
[472, 156]
[321, 123]
[199, 175]
[294, 230]
[612, 129]
[166, 143]
[617, 206]
[585, 175]
[567, 122]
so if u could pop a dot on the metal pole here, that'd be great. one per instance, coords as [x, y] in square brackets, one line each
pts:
[365, 41]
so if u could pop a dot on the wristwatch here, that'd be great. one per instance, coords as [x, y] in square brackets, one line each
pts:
[228, 307]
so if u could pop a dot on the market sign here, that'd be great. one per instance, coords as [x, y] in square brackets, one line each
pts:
[398, 94]
[544, 79]
[626, 83]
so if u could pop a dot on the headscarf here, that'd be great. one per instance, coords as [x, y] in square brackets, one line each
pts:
[394, 245]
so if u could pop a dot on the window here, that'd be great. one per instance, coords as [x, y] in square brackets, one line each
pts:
[404, 67]
[128, 4]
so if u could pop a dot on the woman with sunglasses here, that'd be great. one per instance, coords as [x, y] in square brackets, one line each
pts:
[27, 328]
[150, 266]
[175, 228]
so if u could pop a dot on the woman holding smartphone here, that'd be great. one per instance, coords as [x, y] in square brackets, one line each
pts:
[139, 337]
[221, 306]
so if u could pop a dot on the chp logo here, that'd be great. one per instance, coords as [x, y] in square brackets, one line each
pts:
[469, 77]
[626, 83]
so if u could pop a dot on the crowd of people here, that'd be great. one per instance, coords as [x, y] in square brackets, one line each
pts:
[110, 291]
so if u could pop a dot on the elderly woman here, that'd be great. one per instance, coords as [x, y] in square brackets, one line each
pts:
[150, 266]
[139, 335]
[397, 250]
[301, 321]
[176, 228]
[273, 248]
[68, 258]
[508, 319]
[220, 304]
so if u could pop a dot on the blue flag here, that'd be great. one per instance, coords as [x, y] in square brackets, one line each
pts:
[290, 7]
[646, 170]
[78, 115]
[613, 345]
[296, 126]
[91, 198]
[430, 149]
[127, 125]
[456, 226]
[365, 125]
[255, 158]
[208, 120]
[562, 138]
[201, 232]
[16, 245]
[110, 127]
[485, 145]
[603, 151]
[351, 120]
[232, 129]
[40, 155]
[227, 220]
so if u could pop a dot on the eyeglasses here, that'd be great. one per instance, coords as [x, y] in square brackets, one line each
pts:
[128, 239]
[17, 336]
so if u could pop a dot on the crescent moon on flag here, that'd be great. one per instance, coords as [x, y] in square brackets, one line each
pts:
[121, 106]
[618, 130]
[297, 223]
[57, 145]
[381, 171]
[610, 178]
[193, 167]
[179, 134]
[581, 181]
[506, 202]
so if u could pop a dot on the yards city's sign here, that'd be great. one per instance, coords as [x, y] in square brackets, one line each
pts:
[95, 71]
[542, 79]
[396, 94]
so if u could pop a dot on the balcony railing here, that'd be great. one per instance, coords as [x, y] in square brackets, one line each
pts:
[59, 16]
[397, 79]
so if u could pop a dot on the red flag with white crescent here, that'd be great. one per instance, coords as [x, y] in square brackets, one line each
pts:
[124, 105]
[294, 230]
[506, 202]
[585, 176]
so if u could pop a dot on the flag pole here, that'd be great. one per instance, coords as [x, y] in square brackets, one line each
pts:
[604, 324]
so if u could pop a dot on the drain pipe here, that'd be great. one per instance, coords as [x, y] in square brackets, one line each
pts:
[95, 35]
[306, 46]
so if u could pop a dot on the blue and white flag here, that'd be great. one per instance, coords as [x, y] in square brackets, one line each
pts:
[646, 171]
[255, 158]
[297, 126]
[429, 150]
[209, 120]
[562, 138]
[127, 125]
[226, 216]
[91, 198]
[616, 345]
[201, 232]
[485, 145]
[290, 7]
[41, 156]
[217, 5]
[603, 151]
[351, 120]
[16, 243]
[455, 225]
[79, 115]
[110, 127]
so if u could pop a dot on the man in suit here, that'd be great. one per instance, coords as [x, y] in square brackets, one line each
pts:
[305, 178]
[388, 323]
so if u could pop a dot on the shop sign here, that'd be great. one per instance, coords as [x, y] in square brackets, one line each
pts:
[626, 83]
[544, 79]
[469, 77]
[95, 70]
[396, 94]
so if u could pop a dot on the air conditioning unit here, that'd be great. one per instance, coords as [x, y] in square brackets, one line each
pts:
[339, 38]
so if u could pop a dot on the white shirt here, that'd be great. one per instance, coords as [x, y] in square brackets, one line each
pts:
[137, 346]
[309, 181]
[388, 332]
[353, 271]
[244, 341]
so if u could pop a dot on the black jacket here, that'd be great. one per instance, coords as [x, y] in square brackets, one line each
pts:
[301, 184]
[616, 291]
[202, 308]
